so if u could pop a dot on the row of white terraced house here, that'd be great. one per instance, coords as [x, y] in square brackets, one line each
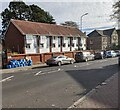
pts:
[53, 44]
[32, 37]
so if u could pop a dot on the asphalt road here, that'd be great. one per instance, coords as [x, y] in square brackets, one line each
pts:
[54, 87]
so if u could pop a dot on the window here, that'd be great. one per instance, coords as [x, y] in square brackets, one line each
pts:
[72, 44]
[59, 45]
[104, 39]
[91, 41]
[59, 41]
[75, 38]
[41, 45]
[114, 37]
[29, 37]
[53, 45]
[66, 38]
[54, 37]
[64, 44]
[28, 46]
[47, 42]
[68, 45]
[76, 45]
[60, 57]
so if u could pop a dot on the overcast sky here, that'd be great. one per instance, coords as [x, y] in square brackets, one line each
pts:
[98, 17]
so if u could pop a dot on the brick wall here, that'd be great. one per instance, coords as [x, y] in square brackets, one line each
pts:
[41, 58]
[14, 40]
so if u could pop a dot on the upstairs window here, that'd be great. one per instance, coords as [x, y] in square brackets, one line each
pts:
[91, 41]
[54, 38]
[75, 38]
[28, 46]
[41, 45]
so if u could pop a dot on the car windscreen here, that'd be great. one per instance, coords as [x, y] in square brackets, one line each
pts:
[79, 53]
[54, 56]
[109, 52]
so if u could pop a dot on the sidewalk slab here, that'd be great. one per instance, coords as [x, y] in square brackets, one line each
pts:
[104, 96]
[23, 68]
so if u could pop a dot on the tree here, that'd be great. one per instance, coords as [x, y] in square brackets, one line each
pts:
[21, 11]
[15, 10]
[70, 23]
[116, 11]
[39, 15]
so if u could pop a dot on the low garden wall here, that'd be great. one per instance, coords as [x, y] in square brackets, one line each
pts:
[40, 58]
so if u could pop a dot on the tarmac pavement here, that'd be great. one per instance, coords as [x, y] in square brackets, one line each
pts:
[103, 96]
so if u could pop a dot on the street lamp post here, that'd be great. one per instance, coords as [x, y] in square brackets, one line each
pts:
[81, 19]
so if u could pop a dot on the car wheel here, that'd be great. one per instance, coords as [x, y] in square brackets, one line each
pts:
[72, 61]
[59, 63]
[86, 59]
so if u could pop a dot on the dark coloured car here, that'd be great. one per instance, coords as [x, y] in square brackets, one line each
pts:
[99, 55]
[84, 56]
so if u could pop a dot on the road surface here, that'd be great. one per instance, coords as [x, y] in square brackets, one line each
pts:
[54, 87]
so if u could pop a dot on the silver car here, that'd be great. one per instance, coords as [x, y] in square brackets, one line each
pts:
[59, 60]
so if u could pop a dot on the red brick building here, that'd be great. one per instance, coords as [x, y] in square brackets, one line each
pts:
[102, 39]
[32, 37]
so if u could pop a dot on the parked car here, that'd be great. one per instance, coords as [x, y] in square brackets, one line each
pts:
[84, 56]
[99, 55]
[119, 60]
[59, 60]
[110, 54]
[118, 52]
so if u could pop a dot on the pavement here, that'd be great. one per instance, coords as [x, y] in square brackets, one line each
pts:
[23, 68]
[105, 95]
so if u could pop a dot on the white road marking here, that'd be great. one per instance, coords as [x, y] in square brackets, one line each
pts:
[59, 69]
[8, 78]
[41, 73]
[53, 71]
[75, 66]
[37, 73]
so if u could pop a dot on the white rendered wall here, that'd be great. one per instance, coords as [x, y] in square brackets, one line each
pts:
[55, 41]
[66, 41]
[45, 41]
[30, 39]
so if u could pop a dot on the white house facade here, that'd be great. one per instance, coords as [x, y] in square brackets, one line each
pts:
[44, 44]
[45, 38]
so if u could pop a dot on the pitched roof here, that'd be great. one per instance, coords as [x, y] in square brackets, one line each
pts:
[107, 32]
[35, 28]
[95, 33]
[118, 31]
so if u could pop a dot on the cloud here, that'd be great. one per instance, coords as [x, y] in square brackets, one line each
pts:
[99, 11]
